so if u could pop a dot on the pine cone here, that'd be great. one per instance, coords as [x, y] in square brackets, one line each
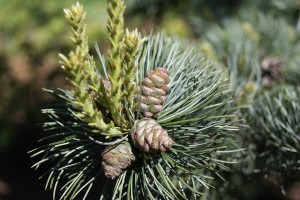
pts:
[150, 137]
[117, 158]
[154, 89]
[271, 70]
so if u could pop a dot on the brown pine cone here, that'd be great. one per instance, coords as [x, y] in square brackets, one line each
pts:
[150, 137]
[154, 89]
[117, 158]
[271, 70]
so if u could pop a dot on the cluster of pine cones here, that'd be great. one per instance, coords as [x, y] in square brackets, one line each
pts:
[146, 135]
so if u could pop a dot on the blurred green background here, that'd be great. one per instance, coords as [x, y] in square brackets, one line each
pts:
[32, 33]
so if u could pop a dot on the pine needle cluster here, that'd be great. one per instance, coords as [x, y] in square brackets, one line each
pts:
[275, 118]
[260, 51]
[259, 45]
[92, 126]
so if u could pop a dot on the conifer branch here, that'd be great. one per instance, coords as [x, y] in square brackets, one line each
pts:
[81, 70]
[115, 28]
[131, 43]
[275, 117]
[121, 60]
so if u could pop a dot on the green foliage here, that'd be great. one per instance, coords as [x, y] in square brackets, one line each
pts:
[199, 110]
[33, 24]
[131, 47]
[121, 63]
[82, 69]
[275, 119]
[115, 27]
[243, 45]
[197, 114]
[31, 35]
[242, 58]
[242, 42]
[292, 73]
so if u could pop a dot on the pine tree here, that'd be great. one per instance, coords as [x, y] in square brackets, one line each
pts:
[101, 134]
[158, 119]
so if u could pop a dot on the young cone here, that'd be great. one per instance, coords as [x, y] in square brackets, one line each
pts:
[150, 137]
[154, 89]
[117, 158]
